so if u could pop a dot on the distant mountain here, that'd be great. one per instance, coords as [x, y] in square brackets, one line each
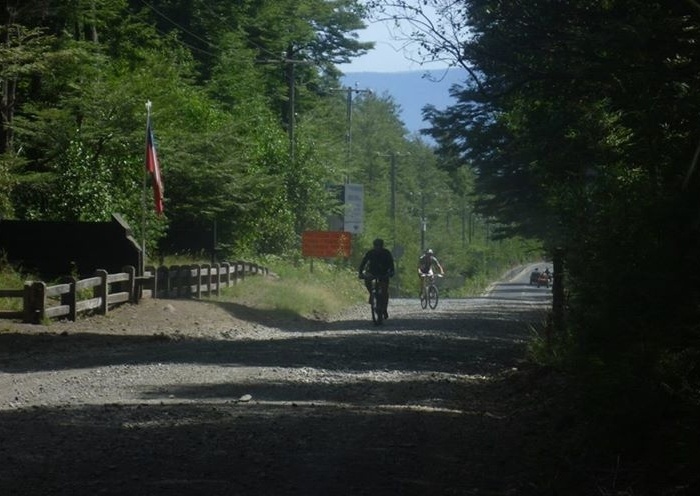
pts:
[411, 90]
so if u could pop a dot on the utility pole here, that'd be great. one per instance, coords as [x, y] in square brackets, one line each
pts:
[392, 175]
[392, 207]
[393, 196]
[423, 222]
[349, 91]
[290, 74]
[292, 97]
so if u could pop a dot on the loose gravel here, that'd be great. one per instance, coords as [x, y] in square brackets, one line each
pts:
[183, 397]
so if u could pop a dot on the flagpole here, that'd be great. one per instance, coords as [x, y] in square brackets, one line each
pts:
[143, 196]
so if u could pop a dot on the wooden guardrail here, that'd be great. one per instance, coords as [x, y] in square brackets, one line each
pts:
[12, 293]
[195, 281]
[102, 291]
[70, 297]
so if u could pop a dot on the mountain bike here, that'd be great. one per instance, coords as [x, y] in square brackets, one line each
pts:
[375, 299]
[429, 292]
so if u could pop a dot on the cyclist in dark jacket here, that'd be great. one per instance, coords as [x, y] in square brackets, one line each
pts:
[378, 262]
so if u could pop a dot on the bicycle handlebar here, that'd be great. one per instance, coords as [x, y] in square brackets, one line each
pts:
[367, 275]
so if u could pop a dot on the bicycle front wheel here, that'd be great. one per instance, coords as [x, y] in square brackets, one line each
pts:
[423, 300]
[432, 297]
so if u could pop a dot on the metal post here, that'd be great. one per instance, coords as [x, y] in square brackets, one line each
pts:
[423, 222]
[393, 196]
[292, 91]
[348, 136]
[348, 132]
[142, 261]
[464, 213]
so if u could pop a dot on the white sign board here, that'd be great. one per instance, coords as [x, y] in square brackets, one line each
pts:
[354, 208]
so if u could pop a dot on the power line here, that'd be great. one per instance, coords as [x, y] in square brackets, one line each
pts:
[150, 6]
[208, 43]
[187, 45]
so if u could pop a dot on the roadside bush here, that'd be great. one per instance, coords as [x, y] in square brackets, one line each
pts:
[323, 291]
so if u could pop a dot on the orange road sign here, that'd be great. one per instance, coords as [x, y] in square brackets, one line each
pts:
[326, 244]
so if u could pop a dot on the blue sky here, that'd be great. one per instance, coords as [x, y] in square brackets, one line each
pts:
[389, 55]
[389, 68]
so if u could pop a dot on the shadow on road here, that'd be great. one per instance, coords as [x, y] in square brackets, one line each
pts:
[423, 405]
[459, 340]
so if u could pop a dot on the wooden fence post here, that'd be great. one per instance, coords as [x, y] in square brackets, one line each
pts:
[216, 272]
[130, 286]
[172, 275]
[153, 282]
[176, 275]
[71, 297]
[102, 291]
[37, 308]
[234, 272]
[205, 272]
[163, 282]
[226, 267]
[198, 280]
[147, 282]
[186, 278]
[28, 302]
[181, 280]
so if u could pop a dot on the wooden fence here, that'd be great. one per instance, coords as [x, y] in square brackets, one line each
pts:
[195, 281]
[103, 291]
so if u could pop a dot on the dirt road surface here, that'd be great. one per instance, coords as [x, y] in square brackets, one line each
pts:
[174, 397]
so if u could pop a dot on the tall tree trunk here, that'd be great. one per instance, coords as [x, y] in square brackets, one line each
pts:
[9, 86]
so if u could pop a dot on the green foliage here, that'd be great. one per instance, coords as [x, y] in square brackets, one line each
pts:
[221, 76]
[579, 123]
[8, 164]
[10, 279]
[81, 191]
[300, 290]
[220, 140]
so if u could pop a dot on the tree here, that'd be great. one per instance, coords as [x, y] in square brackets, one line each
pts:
[22, 56]
[579, 120]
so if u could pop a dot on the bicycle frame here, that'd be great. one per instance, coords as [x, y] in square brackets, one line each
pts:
[426, 280]
[376, 299]
[429, 291]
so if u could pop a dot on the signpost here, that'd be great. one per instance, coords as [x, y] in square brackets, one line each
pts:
[354, 195]
[337, 242]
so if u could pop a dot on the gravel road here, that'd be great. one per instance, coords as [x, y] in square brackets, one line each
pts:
[186, 397]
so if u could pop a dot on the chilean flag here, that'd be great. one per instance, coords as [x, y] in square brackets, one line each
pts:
[153, 168]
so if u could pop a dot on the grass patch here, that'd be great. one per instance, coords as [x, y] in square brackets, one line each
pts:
[10, 279]
[325, 291]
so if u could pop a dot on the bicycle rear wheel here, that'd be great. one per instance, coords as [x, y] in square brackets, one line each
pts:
[377, 312]
[432, 296]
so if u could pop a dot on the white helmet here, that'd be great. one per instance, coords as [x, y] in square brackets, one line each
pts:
[429, 252]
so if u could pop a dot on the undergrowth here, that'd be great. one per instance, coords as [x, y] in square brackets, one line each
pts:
[638, 412]
[323, 291]
[10, 279]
